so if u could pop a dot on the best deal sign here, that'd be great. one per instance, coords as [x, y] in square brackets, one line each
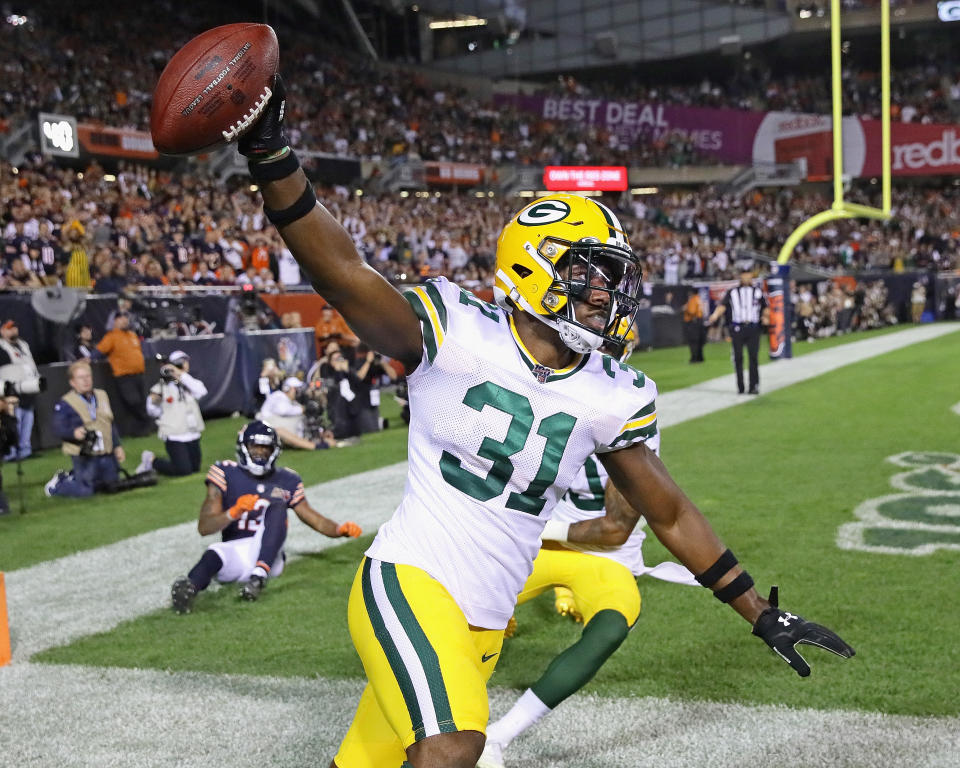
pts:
[578, 178]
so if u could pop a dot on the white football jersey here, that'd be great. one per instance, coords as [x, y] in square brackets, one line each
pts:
[585, 501]
[495, 441]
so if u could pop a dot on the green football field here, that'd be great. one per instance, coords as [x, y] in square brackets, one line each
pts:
[778, 476]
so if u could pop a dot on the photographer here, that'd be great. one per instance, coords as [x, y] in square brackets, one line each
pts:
[83, 420]
[370, 372]
[341, 385]
[173, 404]
[283, 411]
[20, 377]
[8, 440]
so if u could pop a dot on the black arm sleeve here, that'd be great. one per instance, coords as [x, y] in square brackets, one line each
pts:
[274, 531]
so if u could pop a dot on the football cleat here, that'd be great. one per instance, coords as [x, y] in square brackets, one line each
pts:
[182, 595]
[492, 755]
[566, 604]
[252, 589]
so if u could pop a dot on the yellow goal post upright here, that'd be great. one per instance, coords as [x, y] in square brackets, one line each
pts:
[841, 209]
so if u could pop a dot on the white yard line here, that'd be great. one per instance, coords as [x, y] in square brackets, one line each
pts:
[81, 716]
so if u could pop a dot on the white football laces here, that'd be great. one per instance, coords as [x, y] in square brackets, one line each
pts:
[251, 117]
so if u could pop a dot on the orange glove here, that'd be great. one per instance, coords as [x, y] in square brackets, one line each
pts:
[349, 529]
[244, 504]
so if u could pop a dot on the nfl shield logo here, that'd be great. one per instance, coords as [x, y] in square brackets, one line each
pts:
[541, 372]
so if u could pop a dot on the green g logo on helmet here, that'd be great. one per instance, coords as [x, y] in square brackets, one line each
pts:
[544, 212]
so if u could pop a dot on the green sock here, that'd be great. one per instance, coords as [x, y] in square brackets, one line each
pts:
[577, 665]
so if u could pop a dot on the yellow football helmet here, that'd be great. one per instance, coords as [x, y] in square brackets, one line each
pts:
[623, 349]
[561, 250]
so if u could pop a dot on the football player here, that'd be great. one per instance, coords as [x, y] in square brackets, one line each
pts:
[247, 502]
[507, 403]
[594, 584]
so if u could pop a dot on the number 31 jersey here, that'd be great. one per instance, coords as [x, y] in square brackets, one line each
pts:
[495, 441]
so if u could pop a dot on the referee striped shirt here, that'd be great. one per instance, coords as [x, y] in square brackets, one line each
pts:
[744, 304]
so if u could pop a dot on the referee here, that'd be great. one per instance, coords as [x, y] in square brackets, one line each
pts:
[746, 309]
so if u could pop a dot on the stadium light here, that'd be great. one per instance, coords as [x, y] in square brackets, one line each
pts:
[468, 21]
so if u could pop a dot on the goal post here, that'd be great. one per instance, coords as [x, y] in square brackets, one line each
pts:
[840, 209]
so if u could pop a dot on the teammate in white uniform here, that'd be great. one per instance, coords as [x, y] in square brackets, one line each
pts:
[595, 584]
[507, 403]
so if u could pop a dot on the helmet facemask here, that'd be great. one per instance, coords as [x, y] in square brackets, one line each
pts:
[261, 462]
[586, 272]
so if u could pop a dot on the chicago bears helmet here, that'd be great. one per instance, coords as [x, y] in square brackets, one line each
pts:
[257, 462]
[559, 250]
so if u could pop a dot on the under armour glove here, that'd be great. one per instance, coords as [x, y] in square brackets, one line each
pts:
[245, 503]
[266, 137]
[349, 529]
[783, 631]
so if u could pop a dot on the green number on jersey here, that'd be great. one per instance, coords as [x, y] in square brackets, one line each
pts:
[468, 299]
[593, 501]
[556, 429]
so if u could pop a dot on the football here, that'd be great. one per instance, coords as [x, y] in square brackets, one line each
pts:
[214, 88]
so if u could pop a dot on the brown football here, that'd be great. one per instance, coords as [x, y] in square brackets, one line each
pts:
[214, 88]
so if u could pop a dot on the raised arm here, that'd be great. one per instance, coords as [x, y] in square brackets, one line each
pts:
[376, 311]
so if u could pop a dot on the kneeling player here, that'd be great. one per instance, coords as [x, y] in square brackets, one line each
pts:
[247, 500]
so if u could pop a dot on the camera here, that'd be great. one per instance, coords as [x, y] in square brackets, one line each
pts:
[89, 443]
[31, 385]
[168, 370]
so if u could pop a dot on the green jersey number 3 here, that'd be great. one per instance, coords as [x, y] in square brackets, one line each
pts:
[554, 429]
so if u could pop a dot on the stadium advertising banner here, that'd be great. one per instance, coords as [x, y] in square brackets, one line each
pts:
[116, 142]
[727, 134]
[466, 174]
[564, 178]
[742, 136]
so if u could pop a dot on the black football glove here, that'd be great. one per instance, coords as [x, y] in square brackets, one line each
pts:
[266, 135]
[783, 631]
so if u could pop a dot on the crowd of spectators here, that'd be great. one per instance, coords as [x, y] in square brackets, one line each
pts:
[106, 68]
[153, 230]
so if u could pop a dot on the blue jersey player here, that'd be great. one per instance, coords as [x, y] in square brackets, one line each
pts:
[247, 502]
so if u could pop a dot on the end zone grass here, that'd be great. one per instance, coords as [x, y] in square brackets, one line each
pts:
[776, 476]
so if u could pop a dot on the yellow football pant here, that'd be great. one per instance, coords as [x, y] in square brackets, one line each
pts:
[426, 668]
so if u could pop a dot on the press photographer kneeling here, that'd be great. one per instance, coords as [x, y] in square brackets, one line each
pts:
[284, 411]
[83, 420]
[173, 404]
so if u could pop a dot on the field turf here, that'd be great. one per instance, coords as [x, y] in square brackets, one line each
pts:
[777, 476]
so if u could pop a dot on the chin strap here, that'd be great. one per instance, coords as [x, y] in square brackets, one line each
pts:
[577, 339]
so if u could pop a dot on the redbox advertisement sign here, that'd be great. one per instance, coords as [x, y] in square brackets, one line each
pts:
[580, 178]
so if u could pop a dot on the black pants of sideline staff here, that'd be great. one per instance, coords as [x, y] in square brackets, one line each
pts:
[747, 335]
[184, 458]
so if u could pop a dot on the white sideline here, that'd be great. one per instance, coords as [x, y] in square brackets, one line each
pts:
[79, 716]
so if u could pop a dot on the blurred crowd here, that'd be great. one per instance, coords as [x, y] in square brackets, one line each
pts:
[106, 67]
[148, 229]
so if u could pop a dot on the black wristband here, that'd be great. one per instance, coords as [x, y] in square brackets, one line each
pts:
[303, 205]
[712, 575]
[735, 588]
[263, 171]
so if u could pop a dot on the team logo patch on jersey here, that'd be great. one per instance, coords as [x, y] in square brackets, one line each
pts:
[541, 372]
[277, 493]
